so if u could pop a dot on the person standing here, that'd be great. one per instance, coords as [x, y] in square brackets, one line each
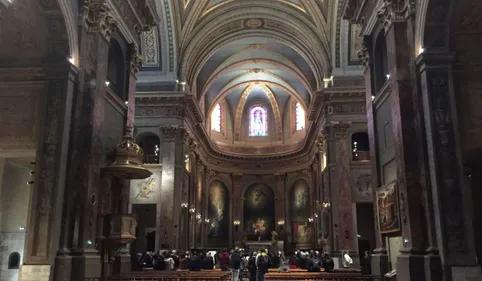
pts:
[224, 260]
[235, 264]
[262, 264]
[366, 264]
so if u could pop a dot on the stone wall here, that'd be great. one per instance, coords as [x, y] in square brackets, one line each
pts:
[14, 203]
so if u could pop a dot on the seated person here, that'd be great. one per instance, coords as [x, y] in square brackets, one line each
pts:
[314, 265]
[183, 262]
[208, 262]
[147, 260]
[328, 263]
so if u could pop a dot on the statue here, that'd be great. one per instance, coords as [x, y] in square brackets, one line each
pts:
[274, 240]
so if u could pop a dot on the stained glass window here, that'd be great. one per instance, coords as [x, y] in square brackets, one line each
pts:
[300, 117]
[258, 122]
[216, 118]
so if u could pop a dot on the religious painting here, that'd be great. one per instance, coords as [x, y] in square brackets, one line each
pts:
[387, 208]
[303, 232]
[146, 191]
[300, 201]
[199, 188]
[218, 213]
[258, 122]
[259, 212]
[300, 212]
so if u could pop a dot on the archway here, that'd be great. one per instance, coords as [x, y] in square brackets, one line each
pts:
[300, 213]
[150, 144]
[218, 214]
[259, 212]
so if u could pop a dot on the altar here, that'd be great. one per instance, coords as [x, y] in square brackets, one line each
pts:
[252, 246]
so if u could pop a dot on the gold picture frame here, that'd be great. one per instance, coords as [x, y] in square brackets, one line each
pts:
[388, 212]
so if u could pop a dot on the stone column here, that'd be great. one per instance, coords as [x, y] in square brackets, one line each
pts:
[238, 204]
[122, 263]
[407, 132]
[347, 234]
[450, 194]
[86, 149]
[199, 204]
[380, 264]
[47, 198]
[171, 184]
[134, 62]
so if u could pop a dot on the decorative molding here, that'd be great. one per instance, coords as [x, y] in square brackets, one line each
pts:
[96, 18]
[395, 11]
[364, 55]
[150, 47]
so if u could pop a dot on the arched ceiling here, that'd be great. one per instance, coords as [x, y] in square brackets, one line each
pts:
[227, 46]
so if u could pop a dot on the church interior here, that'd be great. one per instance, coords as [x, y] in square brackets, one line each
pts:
[341, 126]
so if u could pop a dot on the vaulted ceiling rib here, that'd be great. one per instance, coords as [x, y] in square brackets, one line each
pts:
[229, 47]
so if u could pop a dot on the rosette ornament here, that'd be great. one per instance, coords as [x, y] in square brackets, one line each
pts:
[128, 159]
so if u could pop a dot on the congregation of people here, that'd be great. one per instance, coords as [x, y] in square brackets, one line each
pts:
[252, 266]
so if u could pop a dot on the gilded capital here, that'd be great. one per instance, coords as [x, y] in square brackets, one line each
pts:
[96, 18]
[135, 59]
[395, 11]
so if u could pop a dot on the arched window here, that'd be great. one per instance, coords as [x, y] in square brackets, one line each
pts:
[360, 146]
[14, 261]
[216, 118]
[258, 122]
[299, 117]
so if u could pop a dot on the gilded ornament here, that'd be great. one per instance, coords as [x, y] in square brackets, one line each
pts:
[128, 159]
[254, 23]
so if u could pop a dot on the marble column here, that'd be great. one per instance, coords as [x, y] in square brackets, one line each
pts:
[380, 264]
[173, 166]
[199, 204]
[450, 193]
[407, 132]
[347, 234]
[238, 204]
[86, 149]
[47, 198]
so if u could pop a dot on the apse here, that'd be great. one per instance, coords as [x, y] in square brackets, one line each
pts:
[218, 214]
[259, 212]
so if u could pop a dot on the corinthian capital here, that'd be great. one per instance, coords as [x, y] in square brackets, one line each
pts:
[96, 18]
[135, 59]
[341, 130]
[395, 11]
[170, 132]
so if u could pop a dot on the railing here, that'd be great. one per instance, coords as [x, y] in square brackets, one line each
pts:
[151, 159]
[361, 156]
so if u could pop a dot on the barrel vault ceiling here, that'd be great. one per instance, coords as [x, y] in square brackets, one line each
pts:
[238, 50]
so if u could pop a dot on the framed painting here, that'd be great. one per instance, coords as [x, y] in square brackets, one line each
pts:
[388, 213]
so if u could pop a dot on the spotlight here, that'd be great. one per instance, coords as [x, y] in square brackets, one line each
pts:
[32, 173]
[30, 182]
